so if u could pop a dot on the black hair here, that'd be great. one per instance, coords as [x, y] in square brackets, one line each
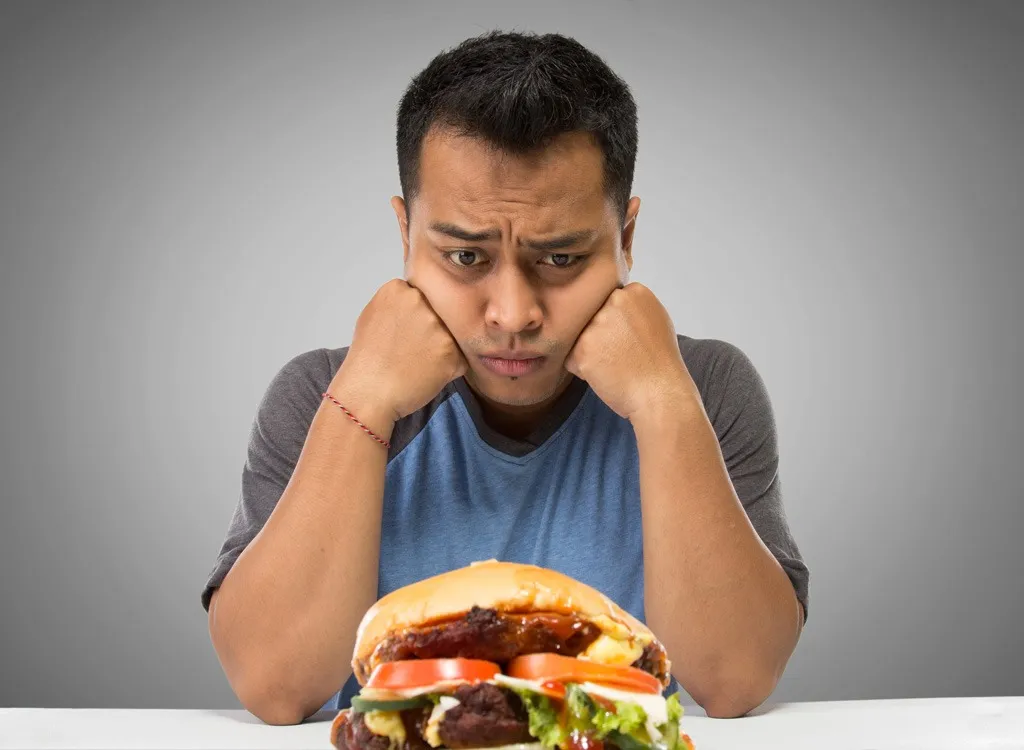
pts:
[517, 91]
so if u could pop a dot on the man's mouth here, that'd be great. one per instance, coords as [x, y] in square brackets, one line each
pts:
[512, 363]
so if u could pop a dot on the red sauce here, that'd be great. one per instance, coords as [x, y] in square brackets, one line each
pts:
[487, 635]
[563, 626]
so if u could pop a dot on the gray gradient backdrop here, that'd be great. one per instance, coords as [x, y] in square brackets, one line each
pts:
[191, 194]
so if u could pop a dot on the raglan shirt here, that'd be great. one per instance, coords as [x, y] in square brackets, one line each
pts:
[567, 497]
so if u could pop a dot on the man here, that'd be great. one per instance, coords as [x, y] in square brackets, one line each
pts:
[513, 397]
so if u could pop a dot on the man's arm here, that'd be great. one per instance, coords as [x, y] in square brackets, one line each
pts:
[718, 598]
[284, 620]
[714, 593]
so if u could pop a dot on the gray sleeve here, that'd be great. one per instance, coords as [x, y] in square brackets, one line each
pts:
[738, 406]
[276, 439]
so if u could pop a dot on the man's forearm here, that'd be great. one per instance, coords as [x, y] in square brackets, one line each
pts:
[284, 620]
[719, 600]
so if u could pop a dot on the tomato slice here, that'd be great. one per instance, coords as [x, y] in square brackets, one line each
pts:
[412, 673]
[558, 668]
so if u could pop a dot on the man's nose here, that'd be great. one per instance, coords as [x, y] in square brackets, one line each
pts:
[513, 304]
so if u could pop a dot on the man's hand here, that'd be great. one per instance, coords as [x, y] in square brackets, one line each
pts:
[629, 354]
[401, 356]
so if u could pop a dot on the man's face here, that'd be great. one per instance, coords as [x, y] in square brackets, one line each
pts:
[515, 254]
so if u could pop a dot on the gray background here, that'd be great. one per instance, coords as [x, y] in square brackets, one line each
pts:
[191, 194]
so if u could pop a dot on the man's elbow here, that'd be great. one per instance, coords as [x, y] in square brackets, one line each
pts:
[744, 682]
[272, 705]
[280, 715]
[733, 698]
[271, 694]
[260, 690]
[729, 706]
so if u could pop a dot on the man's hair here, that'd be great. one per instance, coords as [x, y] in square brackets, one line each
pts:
[517, 91]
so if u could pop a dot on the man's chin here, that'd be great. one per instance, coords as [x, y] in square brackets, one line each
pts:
[528, 390]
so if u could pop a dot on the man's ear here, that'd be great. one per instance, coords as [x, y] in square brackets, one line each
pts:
[628, 227]
[403, 224]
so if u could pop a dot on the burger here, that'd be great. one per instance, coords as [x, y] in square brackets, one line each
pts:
[507, 656]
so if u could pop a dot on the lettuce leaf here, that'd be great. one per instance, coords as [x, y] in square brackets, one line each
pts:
[670, 731]
[544, 723]
[675, 708]
[628, 718]
[627, 721]
[626, 726]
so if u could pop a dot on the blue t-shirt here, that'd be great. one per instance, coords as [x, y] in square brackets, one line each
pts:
[566, 497]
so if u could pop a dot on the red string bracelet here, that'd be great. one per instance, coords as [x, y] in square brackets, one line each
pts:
[353, 417]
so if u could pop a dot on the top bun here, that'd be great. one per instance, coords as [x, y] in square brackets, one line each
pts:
[503, 586]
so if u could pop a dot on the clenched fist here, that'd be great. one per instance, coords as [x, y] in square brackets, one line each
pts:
[401, 356]
[629, 353]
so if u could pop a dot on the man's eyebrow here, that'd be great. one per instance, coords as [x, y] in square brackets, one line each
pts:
[564, 242]
[555, 243]
[458, 233]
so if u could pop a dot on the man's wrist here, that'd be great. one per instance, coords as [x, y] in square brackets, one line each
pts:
[667, 406]
[369, 407]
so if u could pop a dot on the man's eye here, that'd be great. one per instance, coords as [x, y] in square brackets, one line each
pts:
[465, 258]
[560, 260]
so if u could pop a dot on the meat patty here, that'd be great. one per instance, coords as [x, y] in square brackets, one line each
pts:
[353, 734]
[652, 661]
[487, 716]
[486, 634]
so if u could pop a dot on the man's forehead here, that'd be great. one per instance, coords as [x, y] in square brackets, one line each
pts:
[469, 169]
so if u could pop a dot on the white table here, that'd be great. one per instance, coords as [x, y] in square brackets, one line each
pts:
[925, 724]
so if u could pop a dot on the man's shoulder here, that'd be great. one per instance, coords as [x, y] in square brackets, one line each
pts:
[312, 366]
[295, 389]
[722, 371]
[710, 357]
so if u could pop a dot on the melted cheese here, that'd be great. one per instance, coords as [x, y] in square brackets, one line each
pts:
[431, 732]
[609, 627]
[386, 724]
[613, 651]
